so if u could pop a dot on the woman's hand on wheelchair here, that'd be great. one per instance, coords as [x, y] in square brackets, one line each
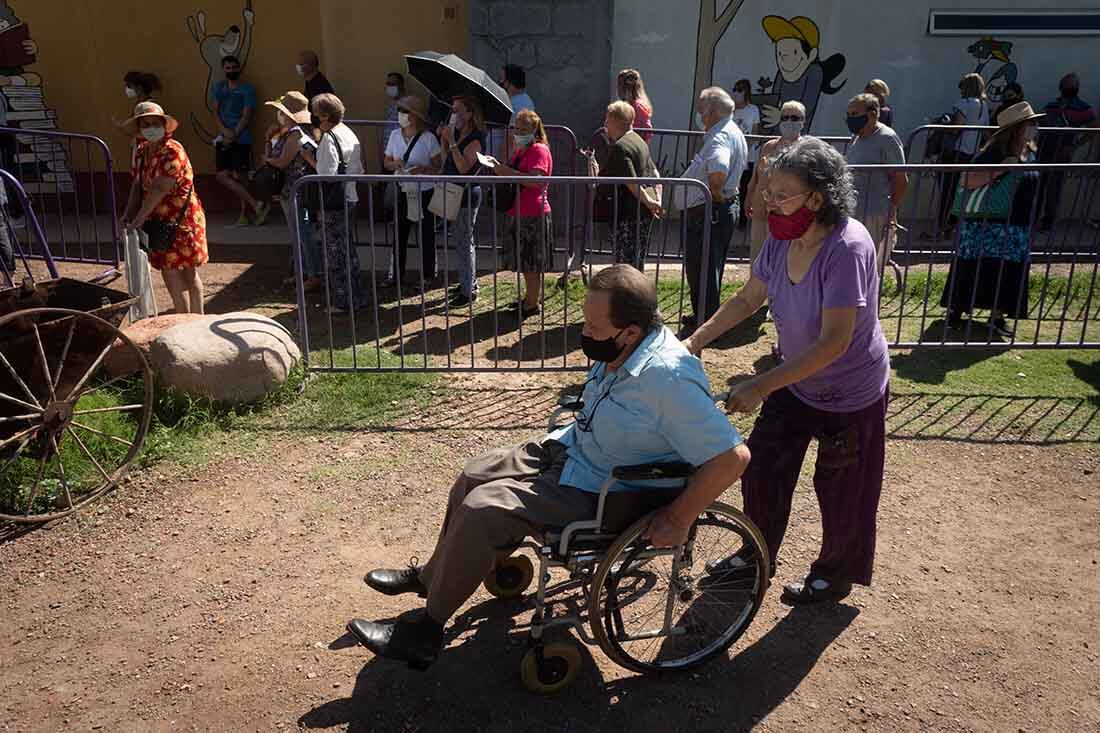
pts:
[666, 530]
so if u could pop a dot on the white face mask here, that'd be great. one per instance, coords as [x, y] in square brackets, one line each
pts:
[300, 69]
[153, 134]
[391, 91]
[523, 141]
[790, 129]
[131, 92]
[403, 119]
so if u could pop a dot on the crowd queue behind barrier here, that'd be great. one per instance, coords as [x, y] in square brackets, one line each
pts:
[77, 208]
[412, 326]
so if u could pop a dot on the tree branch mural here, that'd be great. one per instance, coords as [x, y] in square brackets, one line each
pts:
[712, 26]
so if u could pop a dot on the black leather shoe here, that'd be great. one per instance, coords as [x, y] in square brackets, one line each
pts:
[395, 582]
[416, 642]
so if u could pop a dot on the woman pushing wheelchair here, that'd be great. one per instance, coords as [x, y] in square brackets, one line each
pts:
[817, 272]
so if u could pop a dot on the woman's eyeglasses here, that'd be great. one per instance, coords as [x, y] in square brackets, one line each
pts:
[773, 199]
[790, 118]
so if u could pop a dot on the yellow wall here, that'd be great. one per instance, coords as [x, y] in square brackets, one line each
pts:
[85, 47]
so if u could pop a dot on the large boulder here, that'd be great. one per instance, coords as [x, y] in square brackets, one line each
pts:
[121, 359]
[236, 357]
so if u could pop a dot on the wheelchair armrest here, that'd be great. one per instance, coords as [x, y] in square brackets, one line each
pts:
[649, 471]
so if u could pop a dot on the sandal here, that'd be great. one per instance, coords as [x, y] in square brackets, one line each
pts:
[814, 589]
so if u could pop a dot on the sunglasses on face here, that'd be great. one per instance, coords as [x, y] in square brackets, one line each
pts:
[790, 118]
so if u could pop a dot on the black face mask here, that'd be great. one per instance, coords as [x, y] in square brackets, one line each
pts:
[232, 75]
[1069, 92]
[606, 350]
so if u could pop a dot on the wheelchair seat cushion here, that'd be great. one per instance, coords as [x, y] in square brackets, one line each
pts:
[623, 508]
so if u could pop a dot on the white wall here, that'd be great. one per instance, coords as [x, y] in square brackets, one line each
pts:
[885, 40]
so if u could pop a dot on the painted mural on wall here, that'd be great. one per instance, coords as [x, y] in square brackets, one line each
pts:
[213, 47]
[994, 64]
[41, 165]
[801, 73]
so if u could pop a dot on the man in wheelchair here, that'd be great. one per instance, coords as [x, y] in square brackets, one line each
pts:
[646, 400]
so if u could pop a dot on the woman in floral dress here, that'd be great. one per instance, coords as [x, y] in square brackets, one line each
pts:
[164, 190]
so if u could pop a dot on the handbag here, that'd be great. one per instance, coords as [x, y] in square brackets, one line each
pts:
[991, 201]
[138, 277]
[328, 196]
[446, 200]
[268, 181]
[505, 197]
[160, 233]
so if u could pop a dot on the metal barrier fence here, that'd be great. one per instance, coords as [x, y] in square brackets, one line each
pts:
[1044, 284]
[1081, 143]
[673, 150]
[483, 335]
[14, 248]
[78, 207]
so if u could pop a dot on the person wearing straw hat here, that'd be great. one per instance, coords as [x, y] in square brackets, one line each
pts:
[990, 268]
[164, 191]
[294, 150]
[413, 149]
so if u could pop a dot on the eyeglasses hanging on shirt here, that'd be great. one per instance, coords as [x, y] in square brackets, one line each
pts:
[584, 421]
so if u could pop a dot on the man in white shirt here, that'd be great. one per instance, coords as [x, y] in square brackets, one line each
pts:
[718, 164]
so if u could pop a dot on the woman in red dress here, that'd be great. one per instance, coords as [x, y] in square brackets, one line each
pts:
[164, 190]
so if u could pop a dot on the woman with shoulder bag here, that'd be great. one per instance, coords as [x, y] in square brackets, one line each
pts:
[462, 144]
[163, 203]
[530, 233]
[295, 153]
[339, 152]
[413, 150]
[990, 269]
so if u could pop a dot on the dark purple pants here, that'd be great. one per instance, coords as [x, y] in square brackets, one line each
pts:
[847, 478]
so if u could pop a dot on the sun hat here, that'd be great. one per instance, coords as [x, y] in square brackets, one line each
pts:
[149, 109]
[292, 104]
[415, 106]
[1014, 115]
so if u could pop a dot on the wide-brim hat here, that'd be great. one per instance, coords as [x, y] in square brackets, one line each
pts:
[415, 106]
[1014, 115]
[149, 109]
[294, 105]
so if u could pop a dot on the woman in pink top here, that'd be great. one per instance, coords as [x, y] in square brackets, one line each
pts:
[528, 249]
[632, 90]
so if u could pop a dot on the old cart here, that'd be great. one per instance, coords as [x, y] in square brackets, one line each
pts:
[68, 430]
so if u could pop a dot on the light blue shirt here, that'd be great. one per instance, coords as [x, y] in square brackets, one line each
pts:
[656, 407]
[521, 102]
[724, 150]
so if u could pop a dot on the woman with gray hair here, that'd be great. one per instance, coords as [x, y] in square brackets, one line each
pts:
[339, 152]
[817, 271]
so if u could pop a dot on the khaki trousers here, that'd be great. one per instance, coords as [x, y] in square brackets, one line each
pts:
[499, 499]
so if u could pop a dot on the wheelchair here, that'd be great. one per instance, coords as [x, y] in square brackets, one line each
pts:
[649, 609]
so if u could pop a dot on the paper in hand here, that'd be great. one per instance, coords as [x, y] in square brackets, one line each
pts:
[486, 160]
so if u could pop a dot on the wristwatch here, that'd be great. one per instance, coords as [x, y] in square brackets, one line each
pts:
[454, 146]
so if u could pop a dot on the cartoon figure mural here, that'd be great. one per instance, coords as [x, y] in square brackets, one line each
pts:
[41, 165]
[801, 74]
[988, 50]
[213, 48]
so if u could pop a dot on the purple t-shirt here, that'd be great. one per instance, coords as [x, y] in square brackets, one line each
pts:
[842, 275]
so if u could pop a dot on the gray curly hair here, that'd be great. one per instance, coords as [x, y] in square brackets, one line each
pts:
[823, 169]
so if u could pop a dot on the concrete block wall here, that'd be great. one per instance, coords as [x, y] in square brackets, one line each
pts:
[565, 47]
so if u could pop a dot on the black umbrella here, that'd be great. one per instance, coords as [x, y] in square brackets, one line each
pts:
[447, 76]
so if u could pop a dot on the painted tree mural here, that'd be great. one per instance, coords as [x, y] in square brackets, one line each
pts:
[712, 26]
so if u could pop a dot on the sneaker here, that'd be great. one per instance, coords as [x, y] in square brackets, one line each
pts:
[261, 213]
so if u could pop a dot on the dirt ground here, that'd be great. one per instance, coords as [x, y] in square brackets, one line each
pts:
[215, 598]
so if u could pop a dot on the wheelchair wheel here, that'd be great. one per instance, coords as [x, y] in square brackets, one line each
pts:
[673, 609]
[559, 666]
[511, 577]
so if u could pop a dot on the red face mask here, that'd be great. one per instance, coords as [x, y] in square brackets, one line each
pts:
[785, 227]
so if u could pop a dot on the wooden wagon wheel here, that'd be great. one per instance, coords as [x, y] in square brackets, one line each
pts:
[77, 431]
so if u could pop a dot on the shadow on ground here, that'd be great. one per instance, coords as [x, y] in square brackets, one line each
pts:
[475, 684]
